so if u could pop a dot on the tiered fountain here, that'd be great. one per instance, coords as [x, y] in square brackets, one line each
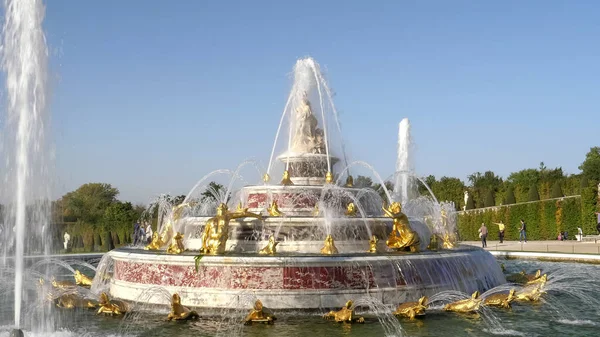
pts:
[308, 240]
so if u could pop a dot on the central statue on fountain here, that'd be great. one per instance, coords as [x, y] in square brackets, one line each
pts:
[307, 137]
[216, 230]
[402, 236]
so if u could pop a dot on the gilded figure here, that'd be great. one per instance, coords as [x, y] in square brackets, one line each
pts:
[176, 246]
[373, 244]
[501, 300]
[180, 312]
[469, 305]
[156, 242]
[72, 301]
[345, 314]
[402, 236]
[286, 180]
[260, 314]
[216, 230]
[273, 209]
[412, 309]
[349, 181]
[109, 307]
[530, 293]
[329, 248]
[351, 209]
[82, 280]
[329, 177]
[270, 248]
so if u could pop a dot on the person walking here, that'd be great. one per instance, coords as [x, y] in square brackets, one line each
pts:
[500, 230]
[136, 233]
[483, 232]
[523, 232]
[598, 225]
[148, 233]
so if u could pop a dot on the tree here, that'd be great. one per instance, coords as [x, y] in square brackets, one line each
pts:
[510, 196]
[584, 183]
[470, 203]
[119, 214]
[590, 167]
[89, 202]
[450, 189]
[481, 183]
[363, 182]
[214, 192]
[533, 194]
[388, 186]
[557, 190]
[489, 199]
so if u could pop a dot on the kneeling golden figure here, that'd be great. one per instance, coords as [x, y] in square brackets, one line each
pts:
[500, 300]
[402, 236]
[259, 314]
[329, 248]
[156, 242]
[412, 309]
[273, 210]
[81, 279]
[346, 314]
[109, 307]
[180, 312]
[373, 244]
[270, 248]
[465, 306]
[176, 246]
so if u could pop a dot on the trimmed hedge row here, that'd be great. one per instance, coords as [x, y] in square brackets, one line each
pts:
[545, 218]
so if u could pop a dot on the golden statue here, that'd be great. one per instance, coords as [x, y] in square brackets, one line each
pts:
[349, 181]
[412, 309]
[176, 246]
[286, 180]
[465, 306]
[402, 236]
[500, 300]
[216, 231]
[540, 280]
[72, 301]
[259, 314]
[167, 232]
[523, 278]
[346, 314]
[180, 312]
[240, 208]
[316, 211]
[373, 244]
[81, 279]
[156, 242]
[109, 307]
[448, 241]
[329, 248]
[351, 209]
[270, 248]
[329, 177]
[531, 293]
[266, 177]
[274, 209]
[63, 285]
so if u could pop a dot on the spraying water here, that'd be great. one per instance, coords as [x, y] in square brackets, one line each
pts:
[24, 61]
[404, 165]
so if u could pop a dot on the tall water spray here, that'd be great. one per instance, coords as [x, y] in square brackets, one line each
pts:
[403, 186]
[26, 188]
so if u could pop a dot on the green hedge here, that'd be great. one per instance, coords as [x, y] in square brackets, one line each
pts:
[545, 218]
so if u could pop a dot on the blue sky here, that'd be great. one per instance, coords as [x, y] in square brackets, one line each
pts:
[150, 96]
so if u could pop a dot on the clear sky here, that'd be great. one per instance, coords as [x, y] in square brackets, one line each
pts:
[152, 95]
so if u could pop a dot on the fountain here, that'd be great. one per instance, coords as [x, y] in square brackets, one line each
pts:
[334, 242]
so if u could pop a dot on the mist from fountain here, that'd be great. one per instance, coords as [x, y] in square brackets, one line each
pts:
[25, 186]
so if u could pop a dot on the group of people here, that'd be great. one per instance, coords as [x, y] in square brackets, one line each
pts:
[142, 233]
[483, 232]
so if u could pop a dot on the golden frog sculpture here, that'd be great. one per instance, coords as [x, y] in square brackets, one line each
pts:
[349, 182]
[346, 314]
[72, 301]
[373, 244]
[156, 242]
[351, 209]
[465, 306]
[81, 279]
[329, 248]
[523, 278]
[402, 236]
[412, 309]
[540, 280]
[180, 312]
[259, 314]
[329, 177]
[109, 307]
[286, 180]
[216, 231]
[63, 285]
[176, 246]
[274, 209]
[500, 300]
[531, 293]
[270, 248]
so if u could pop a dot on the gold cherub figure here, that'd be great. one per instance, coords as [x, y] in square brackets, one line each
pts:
[270, 248]
[176, 246]
[349, 181]
[329, 248]
[180, 312]
[81, 279]
[266, 177]
[402, 236]
[351, 209]
[329, 177]
[412, 309]
[259, 314]
[469, 305]
[109, 307]
[500, 300]
[216, 231]
[373, 244]
[274, 209]
[156, 242]
[345, 314]
[286, 180]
